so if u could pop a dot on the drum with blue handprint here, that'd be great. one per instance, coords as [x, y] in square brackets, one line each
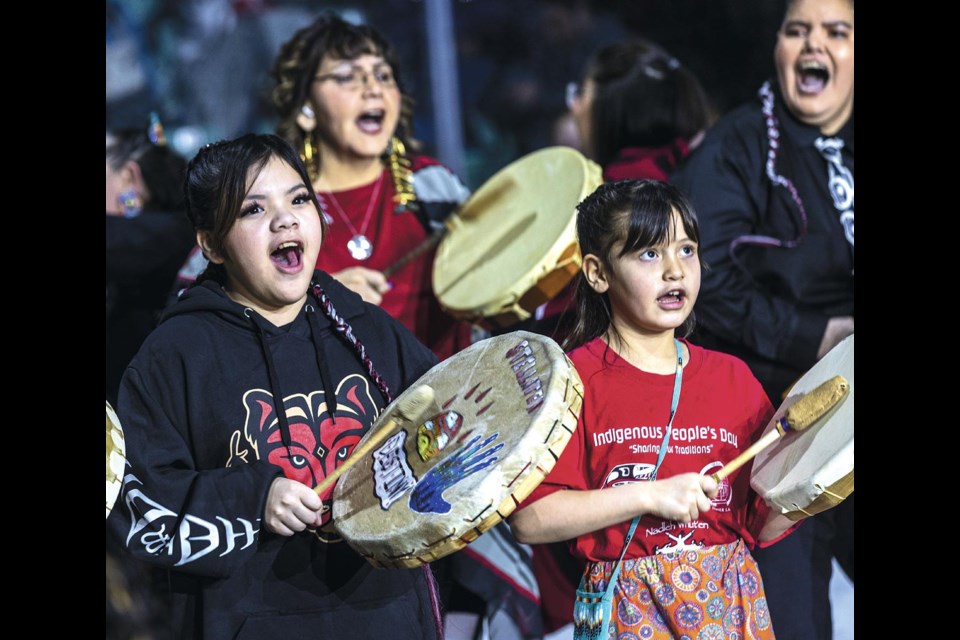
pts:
[505, 409]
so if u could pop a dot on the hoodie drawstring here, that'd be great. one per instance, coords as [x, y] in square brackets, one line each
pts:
[343, 328]
[274, 382]
[329, 393]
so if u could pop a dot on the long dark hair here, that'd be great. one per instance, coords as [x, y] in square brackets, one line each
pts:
[643, 97]
[216, 185]
[638, 212]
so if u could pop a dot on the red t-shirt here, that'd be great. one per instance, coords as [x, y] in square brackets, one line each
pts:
[393, 235]
[722, 411]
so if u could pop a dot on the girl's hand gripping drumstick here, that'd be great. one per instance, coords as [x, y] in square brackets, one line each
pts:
[416, 404]
[798, 416]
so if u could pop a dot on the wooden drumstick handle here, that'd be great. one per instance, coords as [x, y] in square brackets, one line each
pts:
[486, 200]
[798, 416]
[408, 409]
[432, 240]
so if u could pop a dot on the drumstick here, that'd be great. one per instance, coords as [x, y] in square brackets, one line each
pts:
[431, 241]
[483, 200]
[408, 409]
[797, 417]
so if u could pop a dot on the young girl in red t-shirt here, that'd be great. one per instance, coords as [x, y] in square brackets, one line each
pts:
[660, 415]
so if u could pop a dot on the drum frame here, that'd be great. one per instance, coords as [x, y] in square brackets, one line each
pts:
[495, 497]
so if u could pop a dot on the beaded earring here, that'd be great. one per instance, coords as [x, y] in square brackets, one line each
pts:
[307, 155]
[402, 173]
[130, 203]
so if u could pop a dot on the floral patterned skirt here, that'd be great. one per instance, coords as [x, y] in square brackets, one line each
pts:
[703, 594]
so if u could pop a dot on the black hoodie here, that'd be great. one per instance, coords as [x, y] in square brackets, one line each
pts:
[770, 305]
[204, 444]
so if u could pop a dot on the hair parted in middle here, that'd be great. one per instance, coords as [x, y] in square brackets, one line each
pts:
[217, 183]
[638, 213]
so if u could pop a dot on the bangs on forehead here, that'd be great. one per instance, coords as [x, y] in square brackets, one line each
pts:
[648, 224]
[353, 46]
[249, 162]
[256, 168]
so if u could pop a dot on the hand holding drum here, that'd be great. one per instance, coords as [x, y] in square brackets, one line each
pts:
[800, 415]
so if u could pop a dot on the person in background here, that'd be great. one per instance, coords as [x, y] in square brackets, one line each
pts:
[339, 95]
[637, 112]
[147, 235]
[773, 185]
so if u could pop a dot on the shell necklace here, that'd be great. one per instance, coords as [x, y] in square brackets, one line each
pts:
[359, 244]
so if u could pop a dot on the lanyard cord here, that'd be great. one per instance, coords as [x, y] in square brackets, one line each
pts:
[677, 382]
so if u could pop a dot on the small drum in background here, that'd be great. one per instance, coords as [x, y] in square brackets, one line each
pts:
[812, 470]
[504, 410]
[116, 457]
[512, 246]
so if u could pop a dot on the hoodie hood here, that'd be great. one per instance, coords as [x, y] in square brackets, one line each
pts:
[210, 297]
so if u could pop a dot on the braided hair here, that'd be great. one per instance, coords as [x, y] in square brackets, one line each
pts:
[774, 143]
[343, 328]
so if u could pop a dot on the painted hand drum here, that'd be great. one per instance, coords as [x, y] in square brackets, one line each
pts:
[116, 457]
[504, 410]
[512, 246]
[810, 471]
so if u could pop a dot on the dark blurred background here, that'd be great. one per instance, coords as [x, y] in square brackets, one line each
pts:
[203, 65]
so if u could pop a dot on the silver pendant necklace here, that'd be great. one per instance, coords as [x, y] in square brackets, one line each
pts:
[359, 245]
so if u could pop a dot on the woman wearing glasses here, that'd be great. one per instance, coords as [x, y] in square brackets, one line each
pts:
[340, 96]
[341, 103]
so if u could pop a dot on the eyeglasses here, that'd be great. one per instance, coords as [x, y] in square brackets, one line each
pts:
[357, 78]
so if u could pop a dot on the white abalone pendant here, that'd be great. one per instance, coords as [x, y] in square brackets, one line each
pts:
[359, 247]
